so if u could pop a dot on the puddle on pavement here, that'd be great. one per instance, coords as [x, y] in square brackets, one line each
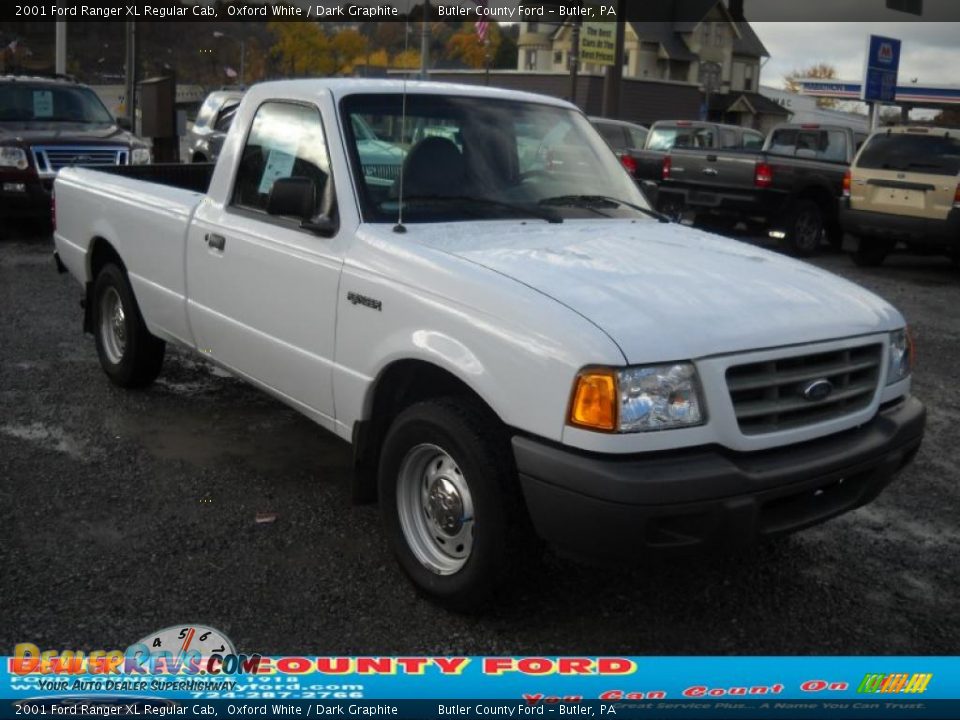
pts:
[263, 433]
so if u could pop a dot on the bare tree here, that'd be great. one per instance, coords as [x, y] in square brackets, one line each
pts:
[821, 71]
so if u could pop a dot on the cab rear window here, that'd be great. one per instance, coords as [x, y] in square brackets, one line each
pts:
[906, 152]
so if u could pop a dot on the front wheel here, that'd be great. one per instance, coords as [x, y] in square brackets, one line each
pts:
[129, 355]
[449, 501]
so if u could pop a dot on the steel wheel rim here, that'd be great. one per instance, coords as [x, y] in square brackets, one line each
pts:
[435, 509]
[113, 325]
[808, 230]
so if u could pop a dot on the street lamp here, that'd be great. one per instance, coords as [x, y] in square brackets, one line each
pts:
[243, 48]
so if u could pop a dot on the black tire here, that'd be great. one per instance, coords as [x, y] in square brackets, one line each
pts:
[134, 360]
[835, 237]
[871, 252]
[671, 206]
[473, 439]
[805, 229]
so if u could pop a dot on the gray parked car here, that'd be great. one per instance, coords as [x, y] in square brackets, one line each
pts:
[619, 134]
[206, 137]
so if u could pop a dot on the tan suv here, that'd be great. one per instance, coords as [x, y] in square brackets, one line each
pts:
[904, 185]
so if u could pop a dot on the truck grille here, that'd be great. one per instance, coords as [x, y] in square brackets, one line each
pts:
[769, 396]
[50, 158]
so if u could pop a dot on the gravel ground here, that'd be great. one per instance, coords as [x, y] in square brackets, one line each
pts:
[125, 512]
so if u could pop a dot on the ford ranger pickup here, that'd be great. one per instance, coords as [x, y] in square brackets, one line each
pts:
[512, 341]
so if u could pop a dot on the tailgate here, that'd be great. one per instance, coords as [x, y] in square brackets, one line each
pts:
[707, 173]
[898, 193]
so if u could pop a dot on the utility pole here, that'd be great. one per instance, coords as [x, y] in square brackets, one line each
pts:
[612, 82]
[60, 62]
[425, 43]
[131, 74]
[574, 59]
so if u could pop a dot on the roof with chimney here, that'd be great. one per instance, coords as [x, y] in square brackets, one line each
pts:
[666, 21]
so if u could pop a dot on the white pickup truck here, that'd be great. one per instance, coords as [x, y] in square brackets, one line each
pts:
[512, 341]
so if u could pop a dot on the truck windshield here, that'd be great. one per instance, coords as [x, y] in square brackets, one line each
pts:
[478, 158]
[24, 103]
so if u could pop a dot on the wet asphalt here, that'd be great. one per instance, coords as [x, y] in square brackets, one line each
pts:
[126, 512]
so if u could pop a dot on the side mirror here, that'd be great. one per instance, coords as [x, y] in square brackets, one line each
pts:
[293, 196]
[124, 124]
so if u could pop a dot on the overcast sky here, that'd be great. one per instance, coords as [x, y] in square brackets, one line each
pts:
[930, 51]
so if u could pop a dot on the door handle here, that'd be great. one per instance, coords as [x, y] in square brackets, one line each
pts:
[217, 242]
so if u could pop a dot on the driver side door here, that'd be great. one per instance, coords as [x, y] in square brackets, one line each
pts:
[262, 290]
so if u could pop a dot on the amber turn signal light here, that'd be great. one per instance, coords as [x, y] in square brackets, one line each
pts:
[594, 403]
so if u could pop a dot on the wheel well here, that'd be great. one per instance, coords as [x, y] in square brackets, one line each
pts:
[822, 197]
[102, 252]
[399, 385]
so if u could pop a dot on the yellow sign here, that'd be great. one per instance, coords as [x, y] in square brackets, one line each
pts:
[598, 43]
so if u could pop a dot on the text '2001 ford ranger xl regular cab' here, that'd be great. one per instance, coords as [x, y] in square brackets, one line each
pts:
[527, 347]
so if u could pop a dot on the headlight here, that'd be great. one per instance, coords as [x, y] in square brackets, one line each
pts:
[140, 156]
[901, 356]
[13, 157]
[637, 399]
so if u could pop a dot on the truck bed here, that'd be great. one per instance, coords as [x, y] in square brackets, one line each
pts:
[194, 176]
[144, 211]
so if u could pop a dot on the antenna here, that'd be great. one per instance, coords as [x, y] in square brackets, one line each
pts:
[399, 227]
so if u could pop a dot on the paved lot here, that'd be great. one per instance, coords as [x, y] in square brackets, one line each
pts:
[122, 513]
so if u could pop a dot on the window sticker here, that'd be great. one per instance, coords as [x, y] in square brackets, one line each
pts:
[279, 165]
[42, 103]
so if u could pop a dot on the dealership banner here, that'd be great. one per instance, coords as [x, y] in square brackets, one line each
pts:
[553, 11]
[137, 681]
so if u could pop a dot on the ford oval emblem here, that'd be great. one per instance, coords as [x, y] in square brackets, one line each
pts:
[817, 390]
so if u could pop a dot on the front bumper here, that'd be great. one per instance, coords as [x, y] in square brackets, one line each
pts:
[925, 232]
[32, 202]
[602, 505]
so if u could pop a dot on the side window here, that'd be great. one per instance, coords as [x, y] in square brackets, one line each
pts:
[752, 140]
[285, 140]
[728, 139]
[638, 137]
[613, 134]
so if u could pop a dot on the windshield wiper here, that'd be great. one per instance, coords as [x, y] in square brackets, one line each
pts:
[594, 201]
[528, 210]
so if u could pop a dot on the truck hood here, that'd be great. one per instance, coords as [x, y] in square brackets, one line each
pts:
[668, 292]
[57, 133]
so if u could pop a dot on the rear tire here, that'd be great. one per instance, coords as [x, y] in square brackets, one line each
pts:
[871, 252]
[450, 501]
[805, 229]
[129, 355]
